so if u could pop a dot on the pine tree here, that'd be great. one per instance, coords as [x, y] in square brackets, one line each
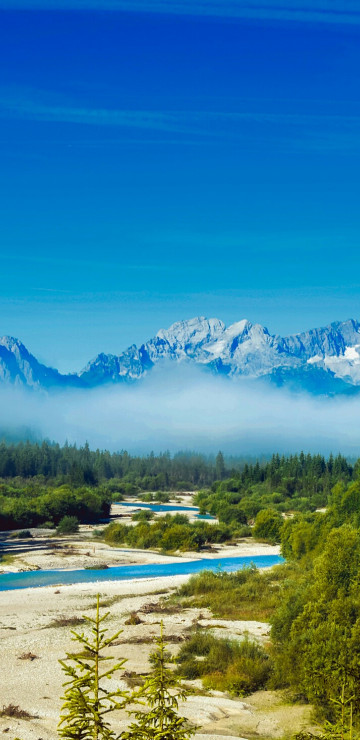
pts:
[86, 700]
[220, 466]
[162, 692]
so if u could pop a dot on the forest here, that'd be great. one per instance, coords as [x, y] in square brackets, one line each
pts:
[308, 504]
[184, 470]
[312, 602]
[42, 484]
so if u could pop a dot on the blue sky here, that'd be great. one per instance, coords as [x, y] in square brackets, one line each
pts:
[185, 158]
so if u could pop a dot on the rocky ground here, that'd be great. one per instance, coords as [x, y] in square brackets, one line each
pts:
[35, 633]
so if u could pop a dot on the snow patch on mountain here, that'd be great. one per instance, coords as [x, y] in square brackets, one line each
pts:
[326, 359]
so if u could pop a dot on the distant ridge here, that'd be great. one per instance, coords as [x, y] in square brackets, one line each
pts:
[321, 361]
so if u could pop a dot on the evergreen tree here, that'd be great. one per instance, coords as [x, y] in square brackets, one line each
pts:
[162, 692]
[86, 700]
[219, 466]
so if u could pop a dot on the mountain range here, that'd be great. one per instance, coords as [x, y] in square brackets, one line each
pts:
[321, 361]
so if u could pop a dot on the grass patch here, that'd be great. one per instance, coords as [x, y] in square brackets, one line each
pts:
[111, 600]
[225, 665]
[247, 594]
[159, 607]
[28, 656]
[14, 711]
[64, 621]
[101, 566]
[148, 640]
[133, 679]
[81, 654]
[133, 619]
[7, 559]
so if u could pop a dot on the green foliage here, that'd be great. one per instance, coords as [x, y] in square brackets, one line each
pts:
[68, 525]
[162, 692]
[23, 534]
[225, 665]
[316, 630]
[307, 476]
[231, 514]
[43, 483]
[245, 594]
[268, 525]
[298, 483]
[220, 466]
[162, 497]
[244, 531]
[167, 533]
[142, 516]
[33, 505]
[341, 728]
[303, 534]
[87, 701]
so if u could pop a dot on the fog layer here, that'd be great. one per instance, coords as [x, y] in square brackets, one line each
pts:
[187, 409]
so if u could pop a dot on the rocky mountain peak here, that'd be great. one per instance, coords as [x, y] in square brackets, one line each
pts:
[322, 358]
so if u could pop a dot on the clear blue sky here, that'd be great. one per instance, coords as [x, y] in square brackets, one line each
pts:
[186, 158]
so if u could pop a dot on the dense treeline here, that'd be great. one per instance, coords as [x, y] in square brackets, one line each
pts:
[299, 483]
[42, 483]
[316, 628]
[82, 466]
[313, 602]
[32, 506]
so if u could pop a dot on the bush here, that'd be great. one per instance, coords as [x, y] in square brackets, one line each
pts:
[142, 516]
[225, 665]
[24, 534]
[167, 533]
[232, 515]
[115, 534]
[162, 497]
[246, 594]
[244, 531]
[268, 525]
[68, 525]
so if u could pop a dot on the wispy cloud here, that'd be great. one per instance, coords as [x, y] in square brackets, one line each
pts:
[315, 11]
[322, 131]
[181, 408]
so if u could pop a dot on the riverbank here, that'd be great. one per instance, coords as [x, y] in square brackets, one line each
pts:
[35, 633]
[79, 551]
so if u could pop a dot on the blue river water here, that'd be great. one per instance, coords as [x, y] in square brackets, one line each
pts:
[33, 579]
[165, 507]
[157, 507]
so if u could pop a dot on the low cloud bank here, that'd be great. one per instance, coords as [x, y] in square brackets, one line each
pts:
[187, 409]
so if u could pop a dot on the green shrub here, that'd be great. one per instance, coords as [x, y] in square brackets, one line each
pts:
[142, 516]
[162, 497]
[24, 534]
[245, 594]
[268, 524]
[244, 531]
[115, 533]
[225, 665]
[68, 525]
[167, 533]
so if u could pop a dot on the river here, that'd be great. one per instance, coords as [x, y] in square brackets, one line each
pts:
[34, 579]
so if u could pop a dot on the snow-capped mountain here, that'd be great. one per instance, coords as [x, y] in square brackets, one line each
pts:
[328, 357]
[19, 367]
[325, 360]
